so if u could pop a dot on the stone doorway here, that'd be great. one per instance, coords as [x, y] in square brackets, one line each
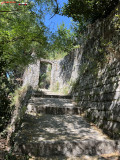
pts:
[45, 75]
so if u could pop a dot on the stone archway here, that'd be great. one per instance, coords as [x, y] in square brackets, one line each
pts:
[31, 74]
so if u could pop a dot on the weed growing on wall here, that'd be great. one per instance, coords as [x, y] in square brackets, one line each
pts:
[19, 101]
[57, 54]
[42, 80]
[65, 90]
[55, 87]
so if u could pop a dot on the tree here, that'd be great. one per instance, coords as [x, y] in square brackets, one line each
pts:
[60, 42]
[90, 10]
[63, 38]
[20, 34]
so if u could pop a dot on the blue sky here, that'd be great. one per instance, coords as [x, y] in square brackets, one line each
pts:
[57, 19]
[52, 23]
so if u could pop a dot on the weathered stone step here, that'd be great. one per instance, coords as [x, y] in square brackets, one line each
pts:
[61, 135]
[84, 157]
[49, 94]
[67, 148]
[52, 96]
[112, 156]
[52, 106]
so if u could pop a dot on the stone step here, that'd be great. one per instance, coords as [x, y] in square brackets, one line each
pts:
[49, 94]
[113, 156]
[52, 96]
[52, 106]
[61, 135]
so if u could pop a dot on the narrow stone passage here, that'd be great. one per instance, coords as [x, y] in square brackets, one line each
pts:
[53, 126]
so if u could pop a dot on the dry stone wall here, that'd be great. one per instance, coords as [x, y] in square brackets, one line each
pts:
[65, 71]
[95, 67]
[97, 90]
[31, 74]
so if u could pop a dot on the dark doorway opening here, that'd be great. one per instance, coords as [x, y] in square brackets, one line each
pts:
[45, 75]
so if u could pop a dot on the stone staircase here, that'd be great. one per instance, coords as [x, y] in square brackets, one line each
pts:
[53, 127]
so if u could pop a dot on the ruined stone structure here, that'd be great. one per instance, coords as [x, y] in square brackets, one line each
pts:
[95, 69]
[31, 75]
[32, 72]
[65, 70]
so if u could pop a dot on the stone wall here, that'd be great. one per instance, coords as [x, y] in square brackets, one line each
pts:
[95, 67]
[65, 71]
[97, 90]
[22, 97]
[31, 74]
